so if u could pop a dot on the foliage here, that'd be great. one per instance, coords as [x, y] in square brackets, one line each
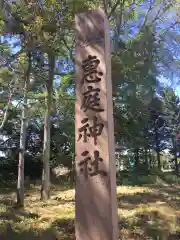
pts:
[145, 48]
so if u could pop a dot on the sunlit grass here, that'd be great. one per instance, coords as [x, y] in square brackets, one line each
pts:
[145, 212]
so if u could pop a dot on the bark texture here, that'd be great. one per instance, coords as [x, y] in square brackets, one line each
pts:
[45, 187]
[24, 123]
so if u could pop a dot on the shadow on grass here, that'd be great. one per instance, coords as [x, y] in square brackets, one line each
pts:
[155, 225]
[149, 225]
[11, 234]
[6, 190]
[65, 227]
[135, 178]
[10, 212]
[18, 224]
[146, 223]
[165, 195]
[156, 213]
[60, 229]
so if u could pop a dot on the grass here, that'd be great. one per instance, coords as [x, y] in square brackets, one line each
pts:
[134, 178]
[151, 211]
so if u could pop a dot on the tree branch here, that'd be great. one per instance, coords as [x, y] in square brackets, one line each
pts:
[69, 49]
[146, 16]
[169, 28]
[114, 8]
[158, 15]
[10, 59]
[1, 4]
[105, 6]
[4, 142]
[6, 110]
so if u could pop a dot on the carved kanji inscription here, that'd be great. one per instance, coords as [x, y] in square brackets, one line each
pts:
[90, 167]
[91, 74]
[87, 131]
[91, 100]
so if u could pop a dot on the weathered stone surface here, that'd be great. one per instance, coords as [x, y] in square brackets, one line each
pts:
[96, 202]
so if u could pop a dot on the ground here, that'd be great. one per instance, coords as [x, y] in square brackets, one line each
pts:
[151, 211]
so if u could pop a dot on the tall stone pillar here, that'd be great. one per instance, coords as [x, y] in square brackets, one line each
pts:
[96, 201]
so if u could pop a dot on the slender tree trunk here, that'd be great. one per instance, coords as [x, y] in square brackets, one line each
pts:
[157, 148]
[158, 159]
[1, 4]
[5, 117]
[146, 156]
[72, 177]
[136, 158]
[176, 165]
[150, 159]
[175, 155]
[45, 187]
[24, 122]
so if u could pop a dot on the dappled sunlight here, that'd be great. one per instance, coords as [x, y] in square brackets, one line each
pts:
[148, 213]
[144, 213]
[132, 190]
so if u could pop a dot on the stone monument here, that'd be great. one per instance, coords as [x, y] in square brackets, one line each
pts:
[96, 200]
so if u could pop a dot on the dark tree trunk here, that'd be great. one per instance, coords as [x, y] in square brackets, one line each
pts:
[158, 159]
[136, 158]
[24, 122]
[45, 187]
[146, 157]
[176, 165]
[157, 142]
[175, 155]
[150, 159]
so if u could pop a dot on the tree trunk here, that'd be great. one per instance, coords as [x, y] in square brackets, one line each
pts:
[150, 159]
[158, 148]
[24, 122]
[136, 158]
[5, 117]
[45, 187]
[175, 155]
[146, 157]
[176, 165]
[2, 4]
[72, 177]
[158, 159]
